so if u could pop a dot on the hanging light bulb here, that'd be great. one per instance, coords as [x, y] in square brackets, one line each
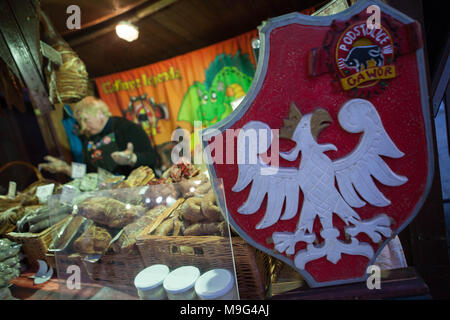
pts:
[127, 31]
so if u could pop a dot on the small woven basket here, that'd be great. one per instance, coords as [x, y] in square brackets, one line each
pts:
[70, 82]
[116, 269]
[35, 245]
[61, 263]
[8, 224]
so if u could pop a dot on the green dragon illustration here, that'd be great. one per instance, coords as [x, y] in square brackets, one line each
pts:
[228, 78]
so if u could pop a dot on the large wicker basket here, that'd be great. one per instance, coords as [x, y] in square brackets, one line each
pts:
[25, 164]
[35, 245]
[116, 269]
[61, 263]
[208, 252]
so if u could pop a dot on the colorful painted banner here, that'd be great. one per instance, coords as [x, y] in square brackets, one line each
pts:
[198, 86]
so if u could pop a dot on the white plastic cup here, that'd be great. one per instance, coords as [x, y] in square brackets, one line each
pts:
[179, 284]
[149, 282]
[216, 284]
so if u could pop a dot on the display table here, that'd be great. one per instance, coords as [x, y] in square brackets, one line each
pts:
[395, 284]
[23, 288]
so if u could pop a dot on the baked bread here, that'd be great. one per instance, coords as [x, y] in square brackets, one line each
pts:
[210, 209]
[160, 194]
[109, 212]
[206, 229]
[94, 240]
[140, 177]
[194, 186]
[191, 210]
[127, 238]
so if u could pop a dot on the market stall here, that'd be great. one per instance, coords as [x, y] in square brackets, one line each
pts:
[158, 192]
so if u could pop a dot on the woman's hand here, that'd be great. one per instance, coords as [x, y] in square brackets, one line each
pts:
[55, 165]
[126, 157]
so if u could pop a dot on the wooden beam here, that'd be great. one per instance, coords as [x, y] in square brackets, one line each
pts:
[106, 17]
[21, 52]
[398, 283]
[151, 9]
[28, 22]
[154, 7]
[19, 25]
[8, 58]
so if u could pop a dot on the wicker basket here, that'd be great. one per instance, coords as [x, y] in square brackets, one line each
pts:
[35, 245]
[25, 164]
[253, 269]
[208, 252]
[61, 261]
[50, 259]
[8, 224]
[116, 270]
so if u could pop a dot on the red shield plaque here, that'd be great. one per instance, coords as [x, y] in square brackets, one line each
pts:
[329, 155]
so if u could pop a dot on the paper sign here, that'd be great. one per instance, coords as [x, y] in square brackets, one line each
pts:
[78, 170]
[67, 194]
[43, 192]
[12, 190]
[50, 53]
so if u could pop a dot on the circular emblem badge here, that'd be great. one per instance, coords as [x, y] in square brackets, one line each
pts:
[364, 57]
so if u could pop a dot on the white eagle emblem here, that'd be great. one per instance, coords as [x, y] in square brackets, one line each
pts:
[316, 176]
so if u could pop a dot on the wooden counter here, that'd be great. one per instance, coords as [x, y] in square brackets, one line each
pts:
[395, 284]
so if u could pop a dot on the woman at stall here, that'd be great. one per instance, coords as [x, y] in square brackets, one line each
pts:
[111, 143]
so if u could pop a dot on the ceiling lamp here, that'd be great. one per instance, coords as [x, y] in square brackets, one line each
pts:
[127, 31]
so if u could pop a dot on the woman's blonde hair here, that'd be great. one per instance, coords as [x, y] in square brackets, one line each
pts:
[90, 104]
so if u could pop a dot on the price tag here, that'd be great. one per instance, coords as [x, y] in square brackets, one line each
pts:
[67, 194]
[43, 192]
[78, 170]
[12, 190]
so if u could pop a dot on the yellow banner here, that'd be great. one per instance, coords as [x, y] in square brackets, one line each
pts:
[371, 74]
[197, 86]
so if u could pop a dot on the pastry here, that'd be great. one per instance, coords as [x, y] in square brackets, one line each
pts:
[191, 210]
[109, 212]
[210, 209]
[94, 240]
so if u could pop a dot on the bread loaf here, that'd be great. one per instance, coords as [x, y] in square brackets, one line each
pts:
[109, 212]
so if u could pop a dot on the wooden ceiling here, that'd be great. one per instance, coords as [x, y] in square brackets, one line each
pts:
[167, 29]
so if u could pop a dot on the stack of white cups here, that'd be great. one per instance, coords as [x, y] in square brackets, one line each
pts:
[185, 283]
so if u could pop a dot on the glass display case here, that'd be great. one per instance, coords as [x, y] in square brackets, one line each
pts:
[162, 241]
